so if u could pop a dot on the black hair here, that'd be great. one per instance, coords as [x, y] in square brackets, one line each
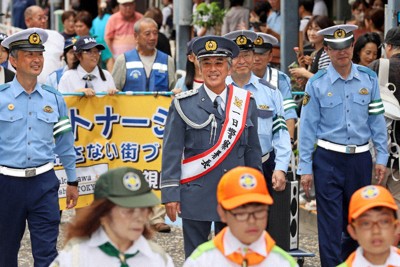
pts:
[307, 4]
[322, 21]
[76, 64]
[190, 72]
[236, 3]
[370, 37]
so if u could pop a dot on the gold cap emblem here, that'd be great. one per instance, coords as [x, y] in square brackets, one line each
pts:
[339, 34]
[10, 107]
[211, 45]
[34, 39]
[259, 41]
[48, 109]
[241, 40]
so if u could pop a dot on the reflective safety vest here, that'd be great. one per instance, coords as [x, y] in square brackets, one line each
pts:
[136, 79]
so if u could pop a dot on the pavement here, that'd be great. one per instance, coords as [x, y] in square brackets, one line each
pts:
[173, 242]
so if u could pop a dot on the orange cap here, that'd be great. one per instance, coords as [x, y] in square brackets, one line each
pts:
[242, 185]
[369, 197]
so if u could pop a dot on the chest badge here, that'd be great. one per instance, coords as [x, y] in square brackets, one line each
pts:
[238, 102]
[306, 99]
[363, 91]
[330, 94]
[11, 107]
[48, 109]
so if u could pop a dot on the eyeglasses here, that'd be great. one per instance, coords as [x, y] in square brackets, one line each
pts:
[257, 215]
[383, 223]
[92, 52]
[42, 18]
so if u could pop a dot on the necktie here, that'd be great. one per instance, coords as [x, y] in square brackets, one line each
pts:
[110, 250]
[218, 100]
[88, 80]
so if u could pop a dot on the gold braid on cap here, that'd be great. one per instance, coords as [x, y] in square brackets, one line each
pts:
[241, 40]
[211, 45]
[34, 39]
[339, 34]
[259, 41]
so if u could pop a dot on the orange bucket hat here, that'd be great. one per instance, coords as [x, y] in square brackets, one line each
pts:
[242, 185]
[369, 197]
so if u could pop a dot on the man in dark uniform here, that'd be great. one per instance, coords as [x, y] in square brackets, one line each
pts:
[342, 111]
[34, 127]
[392, 49]
[208, 132]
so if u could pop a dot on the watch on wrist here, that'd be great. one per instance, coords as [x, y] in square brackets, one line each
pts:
[73, 183]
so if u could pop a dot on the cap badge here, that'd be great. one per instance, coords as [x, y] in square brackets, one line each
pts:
[211, 45]
[339, 34]
[241, 40]
[248, 181]
[306, 99]
[73, 40]
[48, 109]
[238, 102]
[10, 107]
[259, 41]
[363, 91]
[34, 39]
[132, 181]
[370, 192]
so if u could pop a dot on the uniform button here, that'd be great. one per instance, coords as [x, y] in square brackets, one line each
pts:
[348, 138]
[347, 96]
[29, 97]
[348, 124]
[30, 113]
[348, 110]
[29, 143]
[225, 170]
[29, 158]
[30, 128]
[11, 118]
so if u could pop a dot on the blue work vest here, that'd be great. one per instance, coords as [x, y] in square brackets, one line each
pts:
[136, 79]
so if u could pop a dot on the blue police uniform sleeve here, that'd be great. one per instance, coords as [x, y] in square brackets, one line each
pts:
[51, 80]
[289, 105]
[65, 145]
[309, 119]
[281, 137]
[377, 125]
[181, 84]
[253, 154]
[173, 146]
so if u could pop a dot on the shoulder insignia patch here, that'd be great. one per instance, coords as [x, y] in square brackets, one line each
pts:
[306, 99]
[317, 75]
[266, 83]
[51, 89]
[186, 94]
[4, 86]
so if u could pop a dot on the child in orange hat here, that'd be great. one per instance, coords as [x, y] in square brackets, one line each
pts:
[243, 201]
[373, 223]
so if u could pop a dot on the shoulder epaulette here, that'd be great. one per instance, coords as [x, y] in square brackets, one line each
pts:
[4, 86]
[186, 94]
[367, 70]
[317, 75]
[51, 89]
[266, 83]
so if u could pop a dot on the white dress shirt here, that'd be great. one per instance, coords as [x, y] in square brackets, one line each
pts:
[88, 254]
[73, 80]
[361, 261]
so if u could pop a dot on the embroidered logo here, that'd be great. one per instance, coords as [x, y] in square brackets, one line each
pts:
[248, 181]
[132, 181]
[370, 192]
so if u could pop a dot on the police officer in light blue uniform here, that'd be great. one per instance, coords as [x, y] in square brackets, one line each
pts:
[34, 127]
[272, 129]
[342, 110]
[262, 56]
[209, 131]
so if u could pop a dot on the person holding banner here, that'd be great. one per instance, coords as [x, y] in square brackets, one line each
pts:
[272, 129]
[214, 129]
[113, 230]
[86, 75]
[34, 127]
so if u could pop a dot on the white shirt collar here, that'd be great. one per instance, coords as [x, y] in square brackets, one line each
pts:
[82, 72]
[100, 237]
[213, 95]
[232, 244]
[392, 260]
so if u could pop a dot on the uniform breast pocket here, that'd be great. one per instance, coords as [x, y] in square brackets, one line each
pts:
[244, 138]
[198, 138]
[361, 101]
[10, 121]
[46, 123]
[161, 79]
[332, 109]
